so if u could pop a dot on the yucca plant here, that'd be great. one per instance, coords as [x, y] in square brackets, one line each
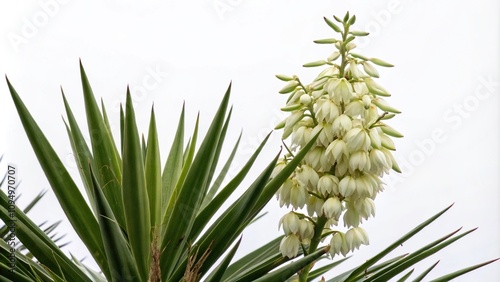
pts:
[144, 219]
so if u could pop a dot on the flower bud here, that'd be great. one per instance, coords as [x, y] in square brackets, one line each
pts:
[335, 55]
[305, 99]
[381, 63]
[354, 71]
[387, 142]
[350, 46]
[390, 131]
[374, 133]
[289, 87]
[367, 101]
[290, 123]
[284, 77]
[370, 69]
[375, 88]
[384, 106]
[314, 64]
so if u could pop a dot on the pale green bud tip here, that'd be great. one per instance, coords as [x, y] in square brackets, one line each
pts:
[370, 69]
[289, 87]
[391, 131]
[332, 25]
[384, 106]
[359, 33]
[335, 55]
[376, 89]
[380, 62]
[358, 56]
[280, 125]
[315, 64]
[284, 77]
[325, 41]
[291, 108]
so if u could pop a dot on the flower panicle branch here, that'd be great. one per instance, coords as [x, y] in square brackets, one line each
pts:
[340, 177]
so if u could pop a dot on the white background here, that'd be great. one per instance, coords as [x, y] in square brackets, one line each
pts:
[446, 82]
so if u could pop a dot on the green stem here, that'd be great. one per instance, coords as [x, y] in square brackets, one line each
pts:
[343, 52]
[318, 230]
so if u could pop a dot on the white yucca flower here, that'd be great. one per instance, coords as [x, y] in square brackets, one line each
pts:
[340, 176]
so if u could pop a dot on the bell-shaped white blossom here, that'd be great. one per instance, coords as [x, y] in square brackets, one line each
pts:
[341, 125]
[337, 150]
[293, 192]
[347, 186]
[354, 108]
[356, 237]
[332, 208]
[315, 205]
[307, 176]
[302, 132]
[338, 245]
[290, 223]
[326, 110]
[379, 162]
[326, 134]
[340, 90]
[317, 159]
[306, 231]
[289, 246]
[365, 207]
[328, 184]
[357, 139]
[351, 217]
[359, 160]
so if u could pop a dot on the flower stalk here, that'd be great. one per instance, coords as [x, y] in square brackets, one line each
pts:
[340, 176]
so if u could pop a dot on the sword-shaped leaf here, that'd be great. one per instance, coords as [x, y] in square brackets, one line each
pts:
[194, 187]
[106, 161]
[73, 204]
[135, 194]
[122, 265]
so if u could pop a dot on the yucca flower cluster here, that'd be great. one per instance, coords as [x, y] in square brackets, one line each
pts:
[340, 177]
